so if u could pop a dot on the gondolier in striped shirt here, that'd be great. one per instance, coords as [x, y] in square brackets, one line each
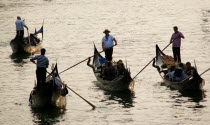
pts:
[107, 44]
[42, 63]
[20, 29]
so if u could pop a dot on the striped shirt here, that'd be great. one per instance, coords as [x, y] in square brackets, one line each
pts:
[42, 61]
[108, 41]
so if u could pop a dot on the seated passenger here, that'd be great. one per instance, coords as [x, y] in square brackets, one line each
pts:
[120, 68]
[170, 74]
[189, 69]
[109, 72]
[179, 73]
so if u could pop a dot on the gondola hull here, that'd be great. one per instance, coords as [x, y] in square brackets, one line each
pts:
[49, 95]
[191, 83]
[121, 83]
[22, 47]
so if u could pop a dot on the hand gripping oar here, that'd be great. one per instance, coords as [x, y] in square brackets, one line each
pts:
[76, 93]
[81, 61]
[148, 63]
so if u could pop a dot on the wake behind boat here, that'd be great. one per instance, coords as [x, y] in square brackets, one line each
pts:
[118, 83]
[192, 82]
[51, 94]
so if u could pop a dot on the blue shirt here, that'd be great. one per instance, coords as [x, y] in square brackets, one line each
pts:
[182, 77]
[19, 25]
[42, 61]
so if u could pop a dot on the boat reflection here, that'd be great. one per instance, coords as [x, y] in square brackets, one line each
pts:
[19, 58]
[49, 116]
[122, 97]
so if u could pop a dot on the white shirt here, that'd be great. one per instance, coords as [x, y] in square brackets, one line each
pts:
[108, 42]
[19, 25]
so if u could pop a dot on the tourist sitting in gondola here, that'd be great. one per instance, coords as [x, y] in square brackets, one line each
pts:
[120, 68]
[179, 73]
[170, 74]
[189, 69]
[109, 72]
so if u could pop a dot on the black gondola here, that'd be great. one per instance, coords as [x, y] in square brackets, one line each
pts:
[30, 44]
[119, 83]
[51, 94]
[191, 83]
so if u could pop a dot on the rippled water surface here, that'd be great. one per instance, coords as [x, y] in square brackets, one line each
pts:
[71, 27]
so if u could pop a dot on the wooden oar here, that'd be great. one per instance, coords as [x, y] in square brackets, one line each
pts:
[29, 40]
[192, 75]
[76, 93]
[81, 62]
[148, 63]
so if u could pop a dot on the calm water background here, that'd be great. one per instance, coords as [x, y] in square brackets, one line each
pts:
[71, 27]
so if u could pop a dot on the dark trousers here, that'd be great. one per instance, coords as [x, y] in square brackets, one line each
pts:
[19, 35]
[40, 76]
[108, 53]
[176, 52]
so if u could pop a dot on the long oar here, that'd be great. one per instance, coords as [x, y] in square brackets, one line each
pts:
[81, 62]
[192, 75]
[29, 40]
[76, 93]
[148, 63]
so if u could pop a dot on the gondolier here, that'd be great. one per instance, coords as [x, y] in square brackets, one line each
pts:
[176, 40]
[107, 44]
[20, 29]
[42, 64]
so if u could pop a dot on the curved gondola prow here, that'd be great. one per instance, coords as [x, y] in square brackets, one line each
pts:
[96, 58]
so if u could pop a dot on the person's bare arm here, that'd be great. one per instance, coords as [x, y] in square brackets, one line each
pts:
[115, 41]
[33, 61]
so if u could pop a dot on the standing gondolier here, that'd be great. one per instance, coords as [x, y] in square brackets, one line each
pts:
[107, 44]
[176, 40]
[20, 29]
[42, 64]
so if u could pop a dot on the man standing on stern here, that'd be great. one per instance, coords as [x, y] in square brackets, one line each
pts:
[176, 40]
[19, 29]
[42, 64]
[107, 44]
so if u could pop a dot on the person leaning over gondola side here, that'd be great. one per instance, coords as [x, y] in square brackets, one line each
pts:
[20, 29]
[176, 40]
[179, 73]
[42, 63]
[107, 44]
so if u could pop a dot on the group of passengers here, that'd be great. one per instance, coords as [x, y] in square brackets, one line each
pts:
[180, 73]
[109, 70]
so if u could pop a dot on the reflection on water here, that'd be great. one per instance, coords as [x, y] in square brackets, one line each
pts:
[47, 116]
[122, 97]
[19, 58]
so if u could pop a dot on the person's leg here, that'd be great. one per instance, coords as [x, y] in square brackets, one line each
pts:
[106, 54]
[111, 52]
[21, 35]
[38, 77]
[178, 54]
[174, 53]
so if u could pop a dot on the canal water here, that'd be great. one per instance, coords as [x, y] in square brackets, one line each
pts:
[71, 27]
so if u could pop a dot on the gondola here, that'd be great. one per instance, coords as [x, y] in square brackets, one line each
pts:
[51, 94]
[191, 83]
[30, 44]
[122, 82]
